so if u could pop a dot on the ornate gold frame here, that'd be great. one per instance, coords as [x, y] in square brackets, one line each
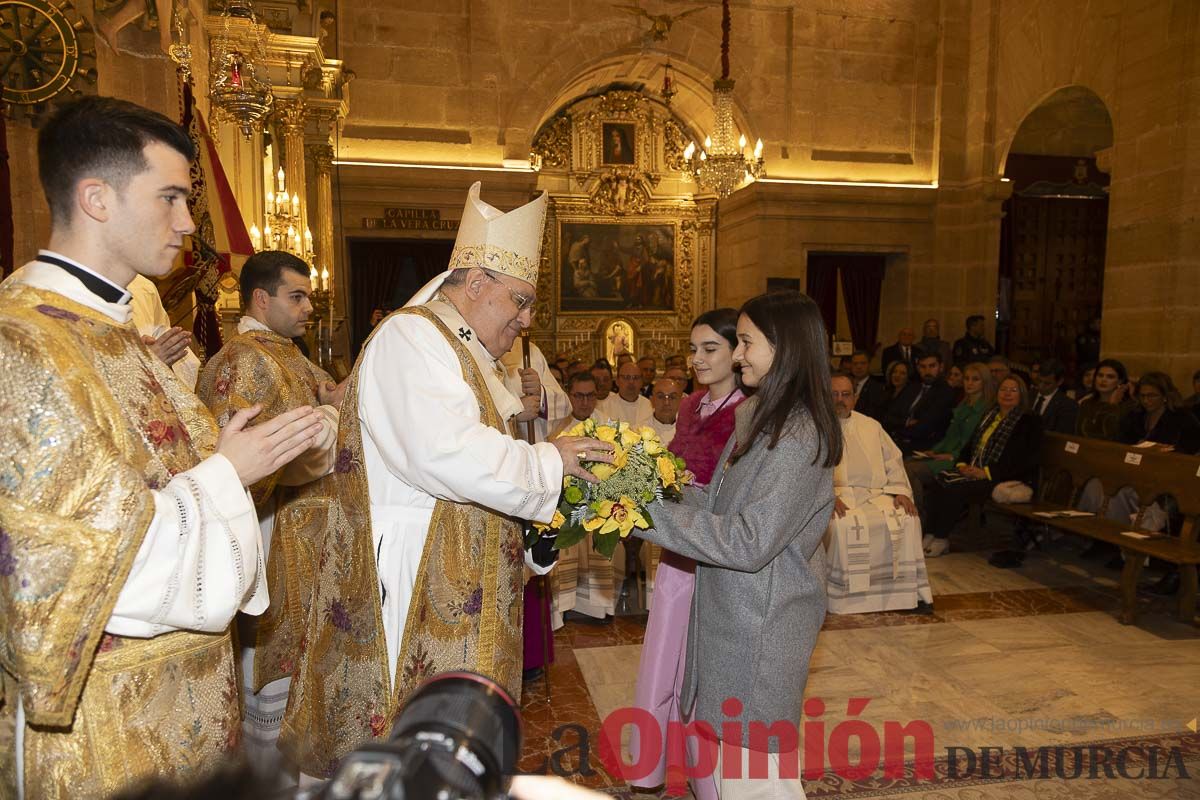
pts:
[583, 189]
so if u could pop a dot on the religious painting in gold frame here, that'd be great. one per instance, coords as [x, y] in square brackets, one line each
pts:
[617, 266]
[618, 143]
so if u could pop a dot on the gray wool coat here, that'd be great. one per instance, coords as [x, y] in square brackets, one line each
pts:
[759, 600]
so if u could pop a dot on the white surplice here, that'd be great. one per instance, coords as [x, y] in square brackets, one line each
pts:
[204, 532]
[150, 318]
[613, 407]
[874, 552]
[423, 441]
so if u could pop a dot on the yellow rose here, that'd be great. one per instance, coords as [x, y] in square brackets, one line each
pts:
[575, 430]
[666, 470]
[620, 457]
[556, 523]
[629, 437]
[603, 471]
[653, 446]
[647, 433]
[606, 433]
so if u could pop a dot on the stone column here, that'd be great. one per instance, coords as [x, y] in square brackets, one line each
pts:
[290, 117]
[321, 156]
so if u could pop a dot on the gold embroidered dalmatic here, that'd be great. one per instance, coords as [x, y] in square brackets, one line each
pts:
[90, 422]
[465, 611]
[262, 367]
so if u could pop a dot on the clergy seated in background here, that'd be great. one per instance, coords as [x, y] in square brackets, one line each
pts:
[262, 366]
[873, 545]
[583, 580]
[627, 403]
[171, 344]
[422, 567]
[666, 397]
[128, 539]
[920, 414]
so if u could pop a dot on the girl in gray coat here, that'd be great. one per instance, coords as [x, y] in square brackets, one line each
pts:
[756, 534]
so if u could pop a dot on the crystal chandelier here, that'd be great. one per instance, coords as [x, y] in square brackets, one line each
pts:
[722, 165]
[281, 230]
[237, 95]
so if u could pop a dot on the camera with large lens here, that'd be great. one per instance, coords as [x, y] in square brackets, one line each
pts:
[457, 738]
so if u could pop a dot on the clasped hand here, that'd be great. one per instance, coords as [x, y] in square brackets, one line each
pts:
[258, 451]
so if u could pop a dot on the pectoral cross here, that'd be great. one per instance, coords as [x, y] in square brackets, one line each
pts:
[464, 334]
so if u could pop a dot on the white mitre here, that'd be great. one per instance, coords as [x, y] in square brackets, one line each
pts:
[510, 244]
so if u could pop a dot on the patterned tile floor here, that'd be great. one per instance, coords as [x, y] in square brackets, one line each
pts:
[1025, 658]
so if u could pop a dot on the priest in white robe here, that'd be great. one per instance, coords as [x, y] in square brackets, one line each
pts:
[627, 403]
[423, 561]
[873, 544]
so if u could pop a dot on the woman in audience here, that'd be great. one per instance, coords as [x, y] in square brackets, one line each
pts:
[756, 536]
[1003, 448]
[895, 378]
[1101, 410]
[1083, 387]
[979, 395]
[954, 379]
[702, 428]
[1161, 417]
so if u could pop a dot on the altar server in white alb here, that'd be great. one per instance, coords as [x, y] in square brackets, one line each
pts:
[423, 560]
[874, 539]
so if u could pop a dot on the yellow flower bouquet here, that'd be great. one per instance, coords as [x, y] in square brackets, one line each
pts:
[643, 470]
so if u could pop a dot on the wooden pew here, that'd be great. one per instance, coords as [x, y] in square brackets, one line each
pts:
[1069, 462]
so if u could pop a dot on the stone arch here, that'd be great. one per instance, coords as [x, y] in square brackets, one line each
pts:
[694, 45]
[1068, 120]
[1044, 47]
[633, 69]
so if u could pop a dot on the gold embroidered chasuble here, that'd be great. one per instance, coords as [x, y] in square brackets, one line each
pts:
[260, 366]
[465, 611]
[90, 423]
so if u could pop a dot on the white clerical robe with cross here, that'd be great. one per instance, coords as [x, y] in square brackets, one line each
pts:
[423, 440]
[874, 551]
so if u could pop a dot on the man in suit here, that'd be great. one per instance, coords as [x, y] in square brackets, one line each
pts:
[972, 346]
[870, 395]
[920, 414]
[903, 350]
[1058, 412]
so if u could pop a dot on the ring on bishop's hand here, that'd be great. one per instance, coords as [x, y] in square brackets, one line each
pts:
[582, 455]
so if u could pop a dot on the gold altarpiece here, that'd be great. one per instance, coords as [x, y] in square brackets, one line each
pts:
[626, 238]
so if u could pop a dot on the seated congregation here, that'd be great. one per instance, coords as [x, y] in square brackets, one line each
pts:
[947, 436]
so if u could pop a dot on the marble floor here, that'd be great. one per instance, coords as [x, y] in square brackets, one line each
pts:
[1026, 658]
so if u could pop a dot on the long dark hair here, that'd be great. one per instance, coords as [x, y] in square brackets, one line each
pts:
[721, 320]
[1115, 366]
[799, 374]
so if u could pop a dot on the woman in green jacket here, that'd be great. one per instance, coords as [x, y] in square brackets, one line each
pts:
[979, 392]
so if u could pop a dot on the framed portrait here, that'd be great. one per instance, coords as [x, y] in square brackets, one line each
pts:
[620, 139]
[624, 266]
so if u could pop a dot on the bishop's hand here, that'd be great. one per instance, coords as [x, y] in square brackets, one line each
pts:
[574, 450]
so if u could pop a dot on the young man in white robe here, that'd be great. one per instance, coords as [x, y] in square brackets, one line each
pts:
[873, 543]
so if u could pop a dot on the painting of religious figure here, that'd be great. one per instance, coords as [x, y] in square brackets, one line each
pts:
[619, 141]
[616, 267]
